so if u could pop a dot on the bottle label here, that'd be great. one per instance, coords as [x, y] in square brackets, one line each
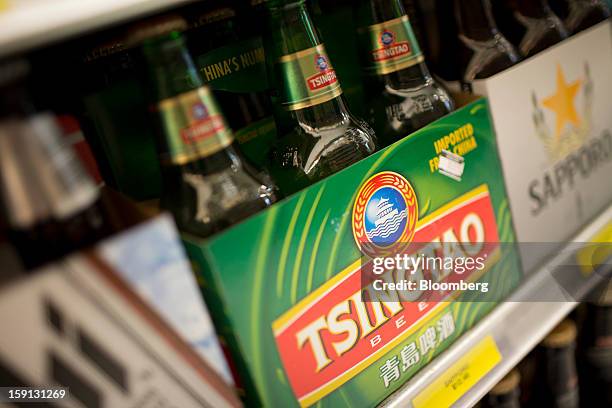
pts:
[391, 46]
[232, 67]
[193, 125]
[229, 71]
[308, 78]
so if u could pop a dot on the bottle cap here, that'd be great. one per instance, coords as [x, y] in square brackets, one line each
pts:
[561, 336]
[156, 27]
[507, 384]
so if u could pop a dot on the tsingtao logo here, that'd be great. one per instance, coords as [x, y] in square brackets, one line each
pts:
[387, 38]
[199, 111]
[321, 63]
[326, 75]
[384, 214]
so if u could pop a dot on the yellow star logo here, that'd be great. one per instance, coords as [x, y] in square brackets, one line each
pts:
[562, 102]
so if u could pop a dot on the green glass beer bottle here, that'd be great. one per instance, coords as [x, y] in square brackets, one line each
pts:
[51, 205]
[417, 13]
[558, 378]
[586, 13]
[541, 27]
[485, 51]
[506, 393]
[401, 94]
[115, 120]
[596, 349]
[318, 134]
[205, 182]
[228, 52]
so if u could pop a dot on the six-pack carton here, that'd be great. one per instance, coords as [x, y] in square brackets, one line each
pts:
[288, 288]
[552, 118]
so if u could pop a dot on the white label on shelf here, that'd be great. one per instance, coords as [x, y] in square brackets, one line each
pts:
[451, 165]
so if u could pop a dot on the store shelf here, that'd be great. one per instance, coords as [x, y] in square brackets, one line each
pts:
[35, 23]
[516, 325]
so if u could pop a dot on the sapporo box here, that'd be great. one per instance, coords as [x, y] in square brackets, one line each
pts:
[285, 289]
[552, 117]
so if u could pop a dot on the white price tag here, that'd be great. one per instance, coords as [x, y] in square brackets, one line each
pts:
[451, 165]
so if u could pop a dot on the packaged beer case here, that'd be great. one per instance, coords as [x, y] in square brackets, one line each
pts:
[285, 287]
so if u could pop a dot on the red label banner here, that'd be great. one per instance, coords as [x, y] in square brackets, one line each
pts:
[332, 335]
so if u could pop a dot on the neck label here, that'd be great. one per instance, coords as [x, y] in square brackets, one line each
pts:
[193, 125]
[389, 46]
[308, 78]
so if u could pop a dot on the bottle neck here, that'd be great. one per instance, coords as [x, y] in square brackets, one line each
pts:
[191, 125]
[298, 65]
[561, 368]
[171, 68]
[381, 10]
[475, 19]
[291, 28]
[403, 65]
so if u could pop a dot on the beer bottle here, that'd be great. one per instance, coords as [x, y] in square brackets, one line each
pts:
[415, 13]
[51, 204]
[228, 53]
[446, 50]
[485, 51]
[561, 9]
[558, 387]
[542, 28]
[401, 94]
[206, 184]
[115, 120]
[318, 134]
[585, 13]
[506, 393]
[327, 16]
[596, 353]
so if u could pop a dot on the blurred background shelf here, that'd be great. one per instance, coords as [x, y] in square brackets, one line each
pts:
[28, 24]
[518, 324]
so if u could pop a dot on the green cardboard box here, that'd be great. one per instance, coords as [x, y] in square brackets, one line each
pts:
[285, 287]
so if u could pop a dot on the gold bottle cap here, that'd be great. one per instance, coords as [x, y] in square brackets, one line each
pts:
[507, 384]
[561, 336]
[156, 27]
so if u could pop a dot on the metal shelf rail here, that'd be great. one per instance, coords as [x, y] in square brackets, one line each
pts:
[516, 325]
[37, 23]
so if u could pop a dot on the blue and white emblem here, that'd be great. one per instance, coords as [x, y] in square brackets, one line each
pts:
[385, 218]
